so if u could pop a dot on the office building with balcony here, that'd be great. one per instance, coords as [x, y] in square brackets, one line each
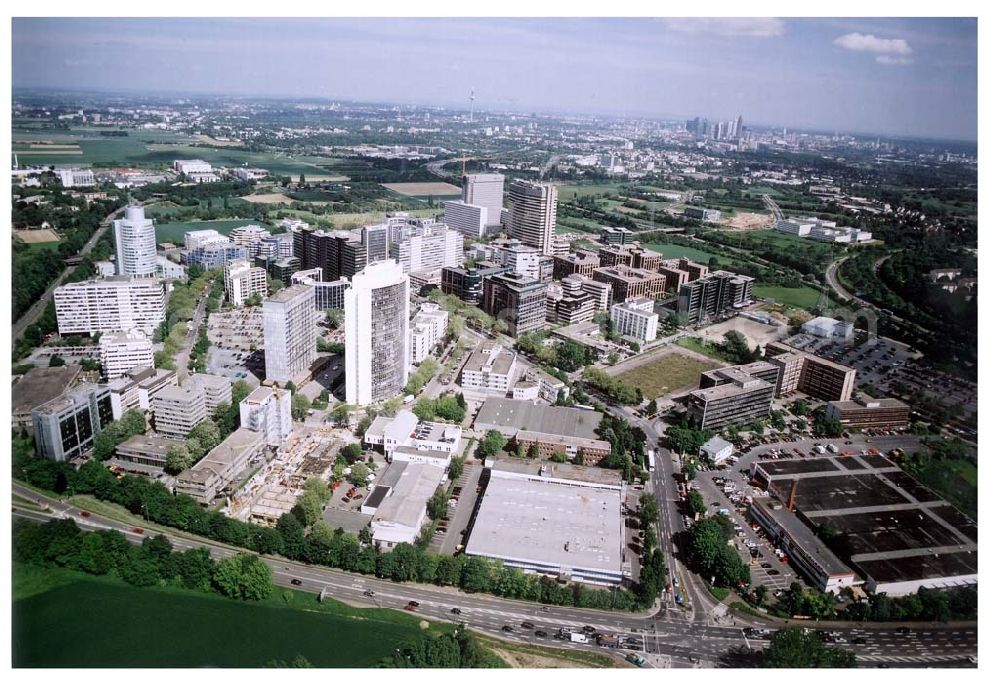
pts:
[289, 318]
[516, 300]
[717, 296]
[65, 427]
[628, 282]
[532, 208]
[119, 303]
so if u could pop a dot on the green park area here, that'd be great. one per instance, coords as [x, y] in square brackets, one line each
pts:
[665, 374]
[802, 297]
[174, 232]
[569, 192]
[679, 251]
[64, 618]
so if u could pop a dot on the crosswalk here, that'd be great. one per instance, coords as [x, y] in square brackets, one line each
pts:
[913, 659]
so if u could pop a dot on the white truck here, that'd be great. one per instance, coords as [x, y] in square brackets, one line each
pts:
[577, 637]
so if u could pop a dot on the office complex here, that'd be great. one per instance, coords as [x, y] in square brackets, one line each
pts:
[427, 329]
[628, 282]
[76, 177]
[177, 410]
[733, 395]
[869, 413]
[376, 333]
[718, 295]
[65, 428]
[486, 190]
[135, 244]
[145, 453]
[562, 528]
[427, 249]
[533, 213]
[223, 465]
[822, 230]
[707, 214]
[635, 319]
[469, 219]
[517, 257]
[196, 239]
[616, 235]
[243, 280]
[40, 385]
[810, 374]
[329, 295]
[122, 351]
[566, 302]
[269, 411]
[119, 303]
[580, 262]
[217, 390]
[250, 236]
[339, 254]
[214, 255]
[489, 367]
[289, 333]
[566, 429]
[601, 292]
[467, 283]
[517, 301]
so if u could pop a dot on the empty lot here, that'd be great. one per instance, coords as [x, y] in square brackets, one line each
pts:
[665, 374]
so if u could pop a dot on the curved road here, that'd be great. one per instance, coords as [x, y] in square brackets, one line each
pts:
[679, 642]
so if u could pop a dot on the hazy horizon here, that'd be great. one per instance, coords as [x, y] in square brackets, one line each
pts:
[891, 77]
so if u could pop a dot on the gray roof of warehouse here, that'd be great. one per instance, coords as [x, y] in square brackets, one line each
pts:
[523, 414]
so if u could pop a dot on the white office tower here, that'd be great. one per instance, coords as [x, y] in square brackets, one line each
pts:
[376, 333]
[426, 330]
[251, 237]
[428, 248]
[484, 189]
[468, 219]
[635, 319]
[533, 213]
[135, 242]
[269, 411]
[119, 303]
[289, 333]
[123, 351]
[242, 280]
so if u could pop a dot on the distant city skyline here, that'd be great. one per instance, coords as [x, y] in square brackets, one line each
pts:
[893, 77]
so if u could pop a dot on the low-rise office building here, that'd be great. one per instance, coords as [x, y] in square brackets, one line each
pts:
[39, 386]
[390, 433]
[401, 514]
[223, 465]
[810, 374]
[145, 451]
[569, 430]
[826, 327]
[733, 396]
[628, 282]
[218, 390]
[269, 411]
[870, 413]
[176, 410]
[579, 262]
[467, 283]
[707, 214]
[489, 367]
[65, 428]
[516, 300]
[122, 351]
[719, 295]
[635, 319]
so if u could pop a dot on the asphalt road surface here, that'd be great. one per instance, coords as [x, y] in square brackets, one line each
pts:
[682, 640]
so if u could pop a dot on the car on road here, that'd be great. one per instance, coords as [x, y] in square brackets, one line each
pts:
[527, 625]
[589, 629]
[138, 530]
[507, 629]
[409, 607]
[296, 581]
[902, 630]
[766, 566]
[858, 640]
[545, 608]
[414, 604]
[369, 593]
[541, 633]
[457, 611]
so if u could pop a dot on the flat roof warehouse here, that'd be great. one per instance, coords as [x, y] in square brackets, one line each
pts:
[559, 527]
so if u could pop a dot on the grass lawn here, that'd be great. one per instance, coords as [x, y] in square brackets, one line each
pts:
[801, 297]
[63, 618]
[679, 251]
[665, 374]
[174, 232]
[701, 346]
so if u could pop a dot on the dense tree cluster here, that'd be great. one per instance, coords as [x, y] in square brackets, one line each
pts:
[628, 445]
[711, 555]
[797, 648]
[447, 407]
[458, 649]
[685, 438]
[418, 379]
[611, 386]
[490, 444]
[62, 543]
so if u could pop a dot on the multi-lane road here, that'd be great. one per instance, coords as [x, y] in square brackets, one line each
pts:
[671, 637]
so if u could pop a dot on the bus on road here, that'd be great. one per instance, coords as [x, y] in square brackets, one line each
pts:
[651, 454]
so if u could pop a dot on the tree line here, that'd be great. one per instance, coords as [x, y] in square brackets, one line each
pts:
[63, 544]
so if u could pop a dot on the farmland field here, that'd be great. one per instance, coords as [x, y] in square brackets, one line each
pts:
[665, 374]
[568, 192]
[678, 251]
[45, 236]
[63, 618]
[174, 232]
[423, 188]
[801, 297]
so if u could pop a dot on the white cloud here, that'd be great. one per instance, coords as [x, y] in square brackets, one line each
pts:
[753, 27]
[893, 60]
[870, 43]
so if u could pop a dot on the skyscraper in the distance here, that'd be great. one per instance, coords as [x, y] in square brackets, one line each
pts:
[486, 190]
[533, 213]
[135, 243]
[376, 333]
[289, 333]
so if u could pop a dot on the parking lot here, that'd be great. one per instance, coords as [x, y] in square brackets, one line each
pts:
[235, 337]
[875, 359]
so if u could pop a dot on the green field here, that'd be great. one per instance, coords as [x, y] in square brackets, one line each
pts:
[568, 192]
[678, 251]
[665, 374]
[174, 232]
[801, 297]
[63, 618]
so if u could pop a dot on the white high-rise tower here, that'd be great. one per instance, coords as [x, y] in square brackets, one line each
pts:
[135, 243]
[533, 213]
[376, 333]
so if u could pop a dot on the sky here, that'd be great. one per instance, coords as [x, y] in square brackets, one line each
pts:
[905, 77]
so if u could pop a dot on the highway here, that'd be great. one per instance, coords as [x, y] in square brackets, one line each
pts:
[30, 316]
[669, 636]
